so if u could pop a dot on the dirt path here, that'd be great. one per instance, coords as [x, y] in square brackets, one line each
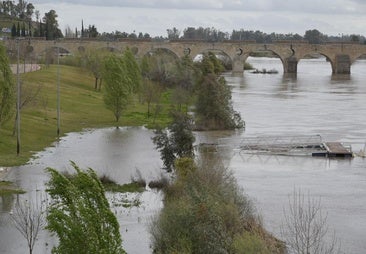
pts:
[25, 68]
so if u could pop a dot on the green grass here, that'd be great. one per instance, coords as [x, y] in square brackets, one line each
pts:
[128, 187]
[81, 107]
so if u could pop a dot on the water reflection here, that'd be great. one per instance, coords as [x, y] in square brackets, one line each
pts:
[6, 202]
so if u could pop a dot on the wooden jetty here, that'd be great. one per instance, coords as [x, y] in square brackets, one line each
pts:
[336, 149]
[293, 145]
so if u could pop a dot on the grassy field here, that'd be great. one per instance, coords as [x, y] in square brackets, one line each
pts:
[81, 107]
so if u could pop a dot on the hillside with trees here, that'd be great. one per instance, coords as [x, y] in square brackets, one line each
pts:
[17, 20]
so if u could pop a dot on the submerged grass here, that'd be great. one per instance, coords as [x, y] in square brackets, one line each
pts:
[8, 188]
[129, 187]
[81, 107]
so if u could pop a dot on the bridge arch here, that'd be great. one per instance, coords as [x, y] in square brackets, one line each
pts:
[328, 58]
[158, 50]
[226, 59]
[259, 51]
[315, 59]
[109, 49]
[357, 56]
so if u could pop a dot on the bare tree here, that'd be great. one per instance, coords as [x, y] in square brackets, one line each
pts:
[28, 95]
[29, 219]
[305, 228]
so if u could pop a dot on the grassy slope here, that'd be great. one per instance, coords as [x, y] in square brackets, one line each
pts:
[81, 107]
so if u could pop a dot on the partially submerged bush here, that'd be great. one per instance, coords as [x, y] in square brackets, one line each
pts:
[160, 184]
[205, 211]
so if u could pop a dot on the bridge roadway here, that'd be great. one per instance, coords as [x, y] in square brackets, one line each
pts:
[340, 55]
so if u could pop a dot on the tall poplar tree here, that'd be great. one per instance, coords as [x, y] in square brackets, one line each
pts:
[122, 78]
[133, 70]
[117, 88]
[7, 87]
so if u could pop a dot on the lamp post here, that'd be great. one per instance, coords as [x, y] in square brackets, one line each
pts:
[58, 91]
[341, 35]
[18, 99]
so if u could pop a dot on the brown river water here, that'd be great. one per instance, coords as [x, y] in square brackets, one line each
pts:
[312, 103]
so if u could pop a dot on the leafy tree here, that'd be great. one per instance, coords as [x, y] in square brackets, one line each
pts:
[184, 79]
[94, 62]
[176, 141]
[314, 36]
[158, 67]
[21, 9]
[80, 215]
[214, 108]
[117, 89]
[7, 87]
[133, 70]
[355, 38]
[51, 30]
[18, 30]
[173, 34]
[23, 33]
[92, 30]
[151, 93]
[13, 31]
[29, 11]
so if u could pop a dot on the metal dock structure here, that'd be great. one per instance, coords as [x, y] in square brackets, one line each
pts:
[291, 145]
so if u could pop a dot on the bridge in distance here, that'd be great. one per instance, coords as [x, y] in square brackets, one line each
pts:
[340, 55]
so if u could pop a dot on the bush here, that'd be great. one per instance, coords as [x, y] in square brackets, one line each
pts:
[205, 211]
[249, 243]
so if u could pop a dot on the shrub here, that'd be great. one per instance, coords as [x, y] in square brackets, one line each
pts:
[204, 211]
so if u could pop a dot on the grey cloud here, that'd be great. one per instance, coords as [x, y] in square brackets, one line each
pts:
[305, 6]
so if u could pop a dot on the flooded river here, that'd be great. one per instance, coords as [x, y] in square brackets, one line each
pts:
[312, 103]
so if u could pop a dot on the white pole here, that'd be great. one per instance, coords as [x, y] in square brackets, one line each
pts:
[18, 100]
[58, 91]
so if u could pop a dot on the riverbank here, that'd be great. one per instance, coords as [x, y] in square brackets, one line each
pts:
[82, 107]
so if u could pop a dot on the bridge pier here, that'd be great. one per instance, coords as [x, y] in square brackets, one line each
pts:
[342, 64]
[238, 65]
[290, 65]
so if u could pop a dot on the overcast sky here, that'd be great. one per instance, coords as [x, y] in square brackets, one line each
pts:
[332, 17]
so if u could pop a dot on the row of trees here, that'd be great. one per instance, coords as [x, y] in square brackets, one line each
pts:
[46, 26]
[22, 9]
[214, 35]
[7, 88]
[187, 82]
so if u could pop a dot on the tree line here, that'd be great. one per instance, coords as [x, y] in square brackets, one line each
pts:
[215, 35]
[211, 34]
[21, 10]
[47, 27]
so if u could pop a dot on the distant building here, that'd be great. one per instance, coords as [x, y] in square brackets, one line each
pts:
[6, 30]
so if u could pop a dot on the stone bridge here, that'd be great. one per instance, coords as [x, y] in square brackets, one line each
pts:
[340, 55]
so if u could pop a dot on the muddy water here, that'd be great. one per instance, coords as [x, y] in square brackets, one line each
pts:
[314, 102]
[122, 154]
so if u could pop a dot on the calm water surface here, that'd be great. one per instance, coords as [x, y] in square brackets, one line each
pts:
[314, 102]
